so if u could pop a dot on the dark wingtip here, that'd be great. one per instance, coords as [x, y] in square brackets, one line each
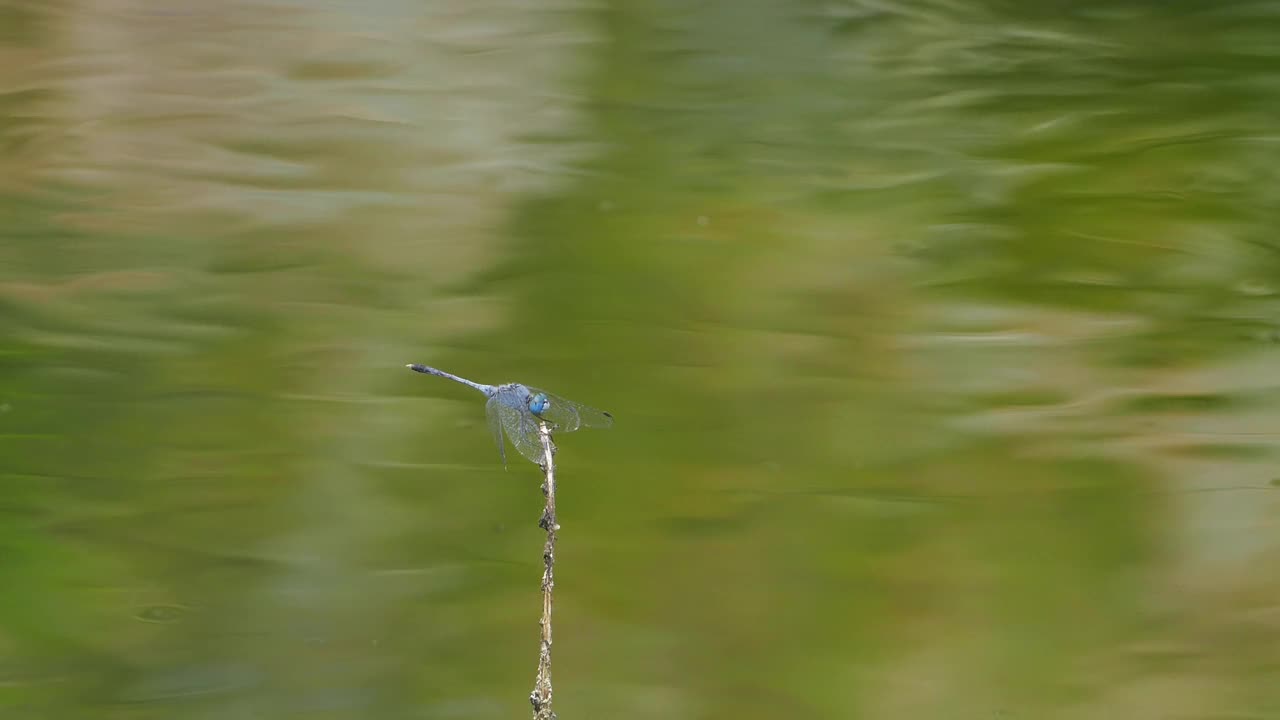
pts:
[416, 368]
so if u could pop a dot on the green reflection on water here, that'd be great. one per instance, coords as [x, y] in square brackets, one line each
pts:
[940, 340]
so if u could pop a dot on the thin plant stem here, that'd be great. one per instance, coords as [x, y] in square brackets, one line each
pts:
[540, 698]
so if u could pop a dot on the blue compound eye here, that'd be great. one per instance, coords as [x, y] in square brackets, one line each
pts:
[539, 403]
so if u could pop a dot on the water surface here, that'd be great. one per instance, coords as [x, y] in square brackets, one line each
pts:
[941, 339]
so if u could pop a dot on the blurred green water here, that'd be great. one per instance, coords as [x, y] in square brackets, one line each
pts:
[940, 338]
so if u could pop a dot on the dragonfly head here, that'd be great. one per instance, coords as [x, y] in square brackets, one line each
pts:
[538, 403]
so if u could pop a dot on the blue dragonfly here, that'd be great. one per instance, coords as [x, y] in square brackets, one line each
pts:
[517, 409]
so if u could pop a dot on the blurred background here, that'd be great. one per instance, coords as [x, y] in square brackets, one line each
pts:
[941, 337]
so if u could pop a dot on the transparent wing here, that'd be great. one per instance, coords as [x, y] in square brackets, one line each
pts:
[494, 419]
[522, 430]
[567, 415]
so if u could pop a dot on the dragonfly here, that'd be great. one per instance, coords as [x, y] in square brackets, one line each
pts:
[516, 410]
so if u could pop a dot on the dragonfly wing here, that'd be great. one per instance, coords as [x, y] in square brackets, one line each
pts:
[494, 419]
[522, 430]
[567, 415]
[593, 418]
